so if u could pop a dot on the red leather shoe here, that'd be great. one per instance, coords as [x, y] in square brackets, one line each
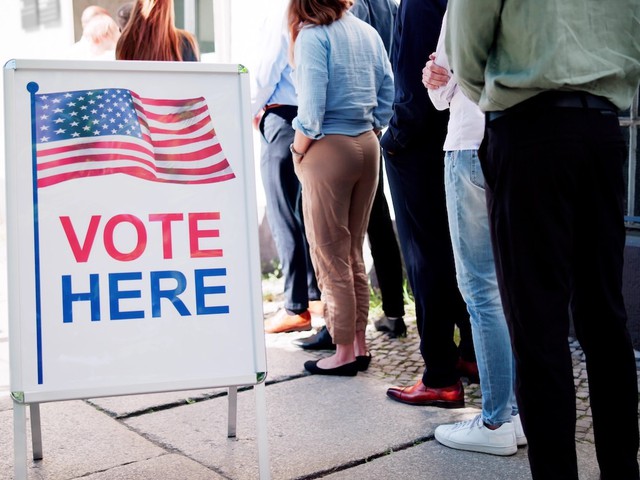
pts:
[419, 394]
[283, 322]
[468, 369]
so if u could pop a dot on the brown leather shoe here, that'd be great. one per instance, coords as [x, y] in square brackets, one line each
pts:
[469, 370]
[419, 394]
[283, 322]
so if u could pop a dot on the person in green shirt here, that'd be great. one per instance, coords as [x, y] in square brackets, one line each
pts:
[551, 78]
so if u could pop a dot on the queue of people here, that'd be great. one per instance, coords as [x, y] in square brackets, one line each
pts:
[480, 238]
[503, 152]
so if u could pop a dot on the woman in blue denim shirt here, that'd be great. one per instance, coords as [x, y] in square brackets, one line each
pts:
[345, 91]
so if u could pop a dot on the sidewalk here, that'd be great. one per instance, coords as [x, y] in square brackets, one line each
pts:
[318, 427]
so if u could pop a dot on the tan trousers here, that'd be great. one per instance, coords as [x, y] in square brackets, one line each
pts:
[339, 175]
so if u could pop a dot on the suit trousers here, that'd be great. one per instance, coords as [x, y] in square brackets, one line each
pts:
[554, 184]
[385, 252]
[416, 181]
[283, 209]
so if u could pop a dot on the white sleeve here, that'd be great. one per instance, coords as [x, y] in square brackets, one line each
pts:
[441, 97]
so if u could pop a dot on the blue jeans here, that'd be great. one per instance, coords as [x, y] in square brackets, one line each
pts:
[476, 276]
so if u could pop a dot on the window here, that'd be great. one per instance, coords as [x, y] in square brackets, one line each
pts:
[203, 27]
[40, 13]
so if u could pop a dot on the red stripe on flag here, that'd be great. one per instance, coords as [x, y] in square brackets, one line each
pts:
[198, 155]
[44, 152]
[132, 171]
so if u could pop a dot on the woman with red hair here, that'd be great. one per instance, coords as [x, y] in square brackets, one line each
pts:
[151, 34]
[345, 91]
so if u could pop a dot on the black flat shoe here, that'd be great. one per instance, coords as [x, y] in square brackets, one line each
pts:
[346, 370]
[394, 327]
[320, 341]
[363, 362]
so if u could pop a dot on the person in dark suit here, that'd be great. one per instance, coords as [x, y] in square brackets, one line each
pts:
[414, 160]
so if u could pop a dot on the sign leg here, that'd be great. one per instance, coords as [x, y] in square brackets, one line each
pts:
[36, 431]
[233, 412]
[20, 441]
[261, 429]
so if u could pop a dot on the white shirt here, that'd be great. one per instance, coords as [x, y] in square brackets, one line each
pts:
[466, 121]
[271, 80]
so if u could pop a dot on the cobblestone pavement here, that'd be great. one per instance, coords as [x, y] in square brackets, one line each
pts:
[398, 360]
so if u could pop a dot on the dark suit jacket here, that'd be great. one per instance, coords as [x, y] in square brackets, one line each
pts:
[380, 14]
[415, 37]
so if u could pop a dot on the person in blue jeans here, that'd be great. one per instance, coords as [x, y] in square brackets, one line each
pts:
[497, 430]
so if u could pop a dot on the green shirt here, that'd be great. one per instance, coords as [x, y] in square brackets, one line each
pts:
[505, 51]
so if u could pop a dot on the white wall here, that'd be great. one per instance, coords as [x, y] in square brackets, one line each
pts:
[15, 43]
[237, 36]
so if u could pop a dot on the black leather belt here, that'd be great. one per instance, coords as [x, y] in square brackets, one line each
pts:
[557, 100]
[271, 106]
[286, 112]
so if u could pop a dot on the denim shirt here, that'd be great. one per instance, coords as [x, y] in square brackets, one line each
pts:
[343, 79]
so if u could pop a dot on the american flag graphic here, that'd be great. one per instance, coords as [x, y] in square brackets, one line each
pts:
[88, 133]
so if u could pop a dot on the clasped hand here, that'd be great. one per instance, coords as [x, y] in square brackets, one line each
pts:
[434, 76]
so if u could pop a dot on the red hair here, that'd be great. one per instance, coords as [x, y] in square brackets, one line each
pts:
[151, 34]
[313, 12]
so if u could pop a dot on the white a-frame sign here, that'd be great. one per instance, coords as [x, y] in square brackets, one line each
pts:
[133, 262]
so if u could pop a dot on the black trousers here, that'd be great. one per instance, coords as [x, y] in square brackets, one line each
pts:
[555, 197]
[284, 210]
[385, 251]
[416, 181]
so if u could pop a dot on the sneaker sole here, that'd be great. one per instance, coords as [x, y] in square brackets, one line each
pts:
[500, 451]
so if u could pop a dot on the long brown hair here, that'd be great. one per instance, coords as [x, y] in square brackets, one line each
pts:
[151, 33]
[313, 12]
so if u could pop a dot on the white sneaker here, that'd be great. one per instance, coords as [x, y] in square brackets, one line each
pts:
[473, 436]
[521, 440]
